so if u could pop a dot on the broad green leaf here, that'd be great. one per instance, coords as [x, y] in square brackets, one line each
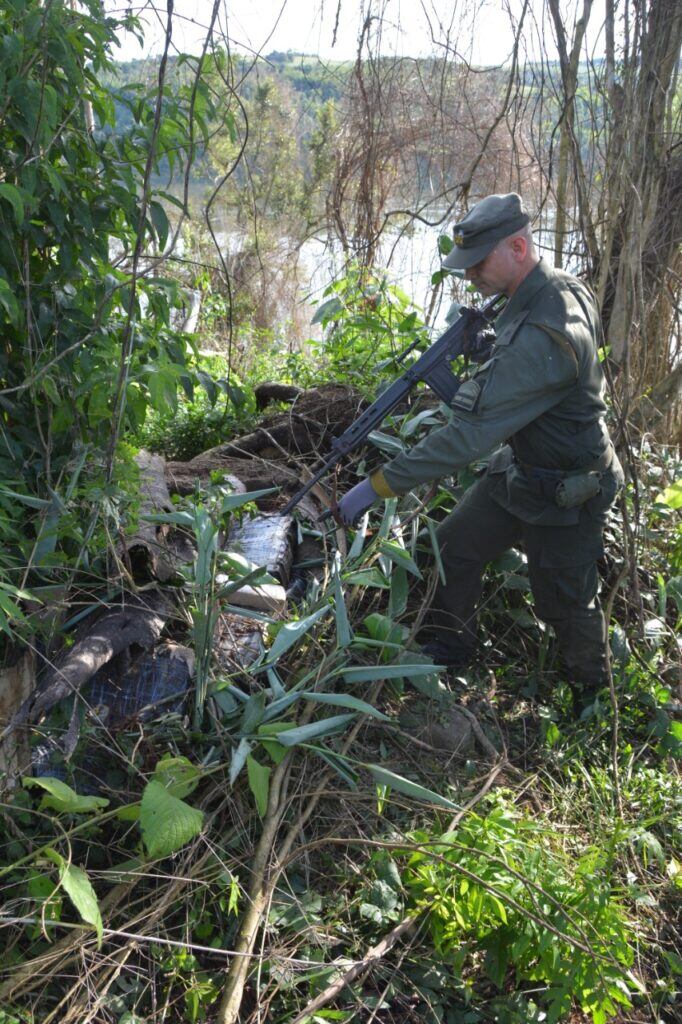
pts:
[513, 581]
[259, 783]
[178, 775]
[267, 734]
[510, 561]
[160, 222]
[391, 445]
[327, 309]
[78, 888]
[315, 730]
[671, 496]
[412, 423]
[129, 812]
[234, 501]
[61, 798]
[13, 196]
[370, 673]
[9, 302]
[167, 823]
[345, 700]
[384, 629]
[408, 788]
[400, 591]
[292, 632]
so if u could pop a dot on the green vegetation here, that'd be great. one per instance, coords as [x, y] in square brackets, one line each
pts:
[231, 857]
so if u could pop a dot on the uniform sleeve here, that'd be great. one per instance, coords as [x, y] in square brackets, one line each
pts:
[523, 379]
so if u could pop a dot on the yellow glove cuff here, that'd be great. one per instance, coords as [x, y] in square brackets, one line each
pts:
[380, 485]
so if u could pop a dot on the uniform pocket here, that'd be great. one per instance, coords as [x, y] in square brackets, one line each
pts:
[565, 547]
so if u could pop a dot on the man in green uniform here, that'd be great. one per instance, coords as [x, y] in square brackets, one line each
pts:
[550, 484]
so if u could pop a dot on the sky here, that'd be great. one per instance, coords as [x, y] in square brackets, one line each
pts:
[479, 31]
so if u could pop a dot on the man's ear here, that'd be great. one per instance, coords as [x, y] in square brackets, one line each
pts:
[519, 248]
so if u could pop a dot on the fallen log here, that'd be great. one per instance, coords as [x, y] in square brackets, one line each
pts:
[271, 391]
[17, 684]
[146, 551]
[266, 457]
[136, 624]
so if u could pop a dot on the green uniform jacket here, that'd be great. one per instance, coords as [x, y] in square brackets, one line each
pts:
[541, 391]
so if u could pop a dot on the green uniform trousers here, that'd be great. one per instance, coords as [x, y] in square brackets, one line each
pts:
[564, 584]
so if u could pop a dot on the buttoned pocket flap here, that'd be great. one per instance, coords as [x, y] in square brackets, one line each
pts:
[506, 335]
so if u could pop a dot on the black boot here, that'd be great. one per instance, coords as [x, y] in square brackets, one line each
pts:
[454, 654]
[584, 698]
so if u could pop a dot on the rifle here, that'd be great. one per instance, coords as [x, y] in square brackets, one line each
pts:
[432, 367]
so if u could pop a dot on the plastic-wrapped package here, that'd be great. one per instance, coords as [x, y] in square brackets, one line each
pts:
[266, 541]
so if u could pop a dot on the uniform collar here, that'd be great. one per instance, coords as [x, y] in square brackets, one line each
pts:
[520, 300]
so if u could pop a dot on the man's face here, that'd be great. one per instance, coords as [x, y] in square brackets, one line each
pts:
[493, 274]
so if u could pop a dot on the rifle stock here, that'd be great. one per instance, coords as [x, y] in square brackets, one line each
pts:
[432, 368]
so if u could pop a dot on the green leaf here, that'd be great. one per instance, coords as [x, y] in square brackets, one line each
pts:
[179, 776]
[292, 632]
[13, 196]
[327, 309]
[345, 700]
[253, 713]
[259, 783]
[339, 765]
[78, 888]
[671, 496]
[167, 823]
[234, 501]
[26, 499]
[435, 550]
[386, 443]
[399, 556]
[61, 798]
[400, 592]
[674, 591]
[372, 577]
[370, 673]
[160, 222]
[402, 785]
[9, 302]
[445, 244]
[268, 733]
[239, 755]
[315, 730]
[344, 633]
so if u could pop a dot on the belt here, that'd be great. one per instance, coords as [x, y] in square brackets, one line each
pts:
[539, 473]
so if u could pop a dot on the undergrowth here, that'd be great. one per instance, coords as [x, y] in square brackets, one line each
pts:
[535, 876]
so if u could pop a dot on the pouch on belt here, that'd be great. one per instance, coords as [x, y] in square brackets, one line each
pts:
[577, 489]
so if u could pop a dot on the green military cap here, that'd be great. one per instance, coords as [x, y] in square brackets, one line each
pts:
[486, 224]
